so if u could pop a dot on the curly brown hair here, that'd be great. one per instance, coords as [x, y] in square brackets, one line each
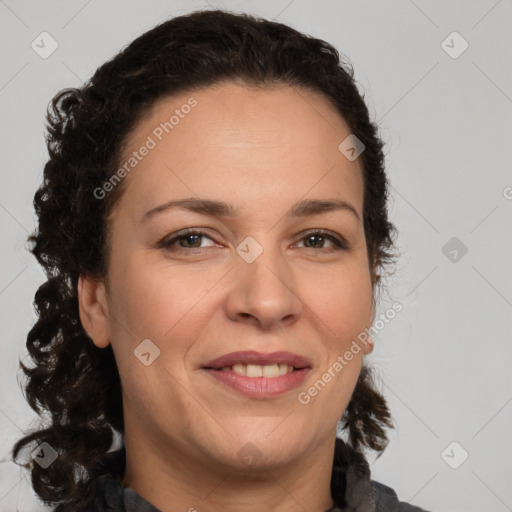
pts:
[75, 384]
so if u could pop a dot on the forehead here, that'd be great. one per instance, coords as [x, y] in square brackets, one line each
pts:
[223, 139]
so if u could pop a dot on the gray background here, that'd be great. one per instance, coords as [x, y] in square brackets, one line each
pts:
[445, 360]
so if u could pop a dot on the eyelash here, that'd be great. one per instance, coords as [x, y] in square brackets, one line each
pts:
[166, 242]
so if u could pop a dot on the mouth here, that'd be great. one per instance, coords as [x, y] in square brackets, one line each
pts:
[255, 370]
[259, 375]
[256, 364]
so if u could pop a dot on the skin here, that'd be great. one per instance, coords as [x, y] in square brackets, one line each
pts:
[261, 149]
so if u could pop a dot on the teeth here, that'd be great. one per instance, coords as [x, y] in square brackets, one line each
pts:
[240, 369]
[271, 370]
[255, 370]
[283, 368]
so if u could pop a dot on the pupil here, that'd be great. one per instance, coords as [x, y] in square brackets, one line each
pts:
[188, 237]
[311, 237]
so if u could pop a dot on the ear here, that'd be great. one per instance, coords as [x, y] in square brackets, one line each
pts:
[368, 346]
[368, 342]
[375, 276]
[93, 309]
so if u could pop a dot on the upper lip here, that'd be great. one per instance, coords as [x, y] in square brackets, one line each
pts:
[253, 357]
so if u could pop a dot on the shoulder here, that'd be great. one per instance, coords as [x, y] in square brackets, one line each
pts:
[386, 500]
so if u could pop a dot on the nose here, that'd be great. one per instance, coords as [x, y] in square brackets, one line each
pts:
[264, 292]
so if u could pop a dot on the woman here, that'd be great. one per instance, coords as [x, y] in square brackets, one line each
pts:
[213, 225]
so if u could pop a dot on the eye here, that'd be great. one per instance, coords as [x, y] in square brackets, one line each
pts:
[190, 239]
[322, 235]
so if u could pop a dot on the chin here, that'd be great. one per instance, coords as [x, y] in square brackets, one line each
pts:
[261, 452]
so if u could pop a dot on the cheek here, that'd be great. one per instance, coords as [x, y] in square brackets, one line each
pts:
[342, 299]
[342, 308]
[157, 300]
[143, 294]
[152, 299]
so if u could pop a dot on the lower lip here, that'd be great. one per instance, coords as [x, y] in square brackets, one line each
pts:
[260, 387]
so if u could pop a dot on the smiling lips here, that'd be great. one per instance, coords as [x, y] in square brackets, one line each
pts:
[255, 370]
[253, 358]
[259, 375]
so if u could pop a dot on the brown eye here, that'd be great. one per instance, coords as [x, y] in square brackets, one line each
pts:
[188, 240]
[312, 239]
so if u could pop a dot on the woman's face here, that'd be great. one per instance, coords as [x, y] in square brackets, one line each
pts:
[258, 280]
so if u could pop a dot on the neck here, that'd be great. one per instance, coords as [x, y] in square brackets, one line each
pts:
[174, 481]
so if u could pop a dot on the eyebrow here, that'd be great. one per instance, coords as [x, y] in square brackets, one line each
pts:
[304, 208]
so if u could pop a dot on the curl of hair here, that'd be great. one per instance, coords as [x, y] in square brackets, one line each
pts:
[74, 383]
[367, 415]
